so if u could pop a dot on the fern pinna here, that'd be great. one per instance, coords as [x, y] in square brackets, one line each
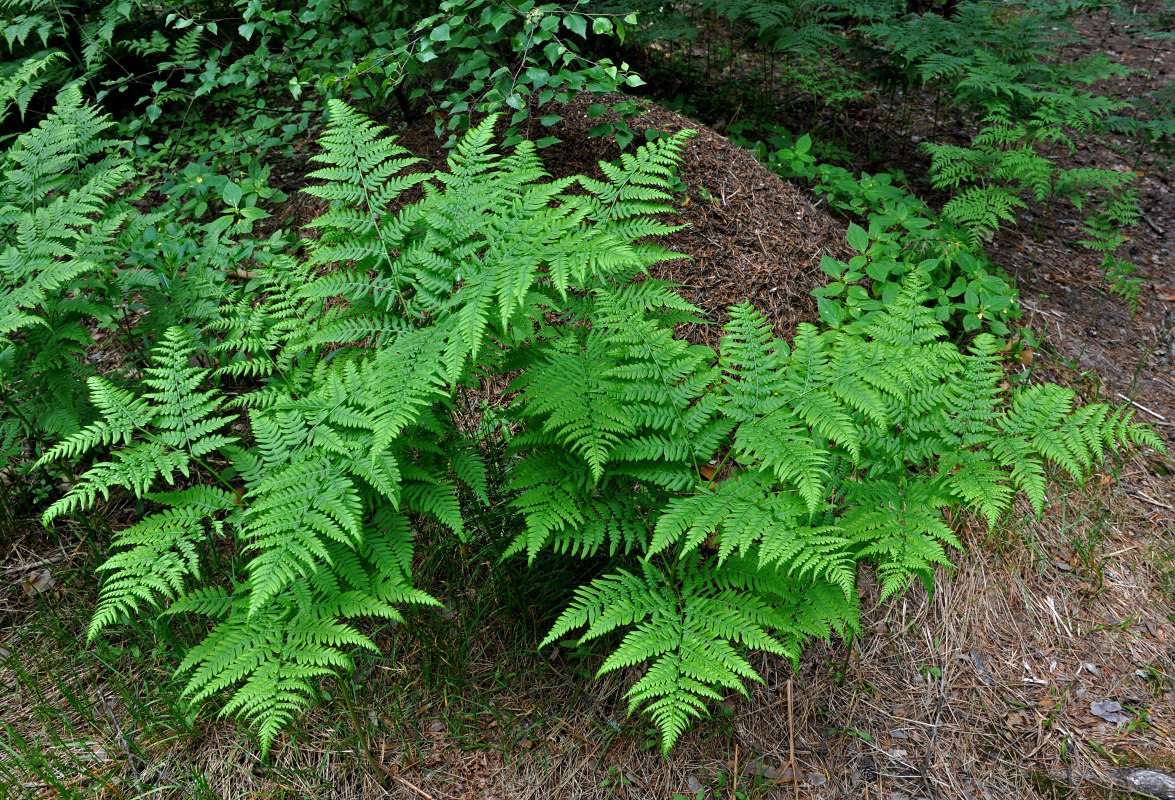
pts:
[736, 493]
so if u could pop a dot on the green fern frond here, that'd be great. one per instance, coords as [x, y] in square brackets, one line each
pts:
[21, 80]
[899, 527]
[687, 623]
[122, 415]
[291, 516]
[637, 185]
[573, 389]
[157, 556]
[743, 516]
[176, 423]
[273, 656]
[363, 162]
[981, 210]
[553, 489]
[48, 159]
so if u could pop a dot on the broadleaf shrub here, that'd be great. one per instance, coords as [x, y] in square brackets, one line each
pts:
[904, 235]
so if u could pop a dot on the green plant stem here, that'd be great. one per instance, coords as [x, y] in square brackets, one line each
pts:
[843, 672]
[30, 430]
[360, 730]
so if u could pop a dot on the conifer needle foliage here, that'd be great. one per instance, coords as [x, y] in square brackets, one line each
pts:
[737, 493]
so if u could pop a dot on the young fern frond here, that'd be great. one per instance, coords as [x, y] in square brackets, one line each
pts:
[689, 623]
[176, 424]
[682, 623]
[272, 656]
[158, 557]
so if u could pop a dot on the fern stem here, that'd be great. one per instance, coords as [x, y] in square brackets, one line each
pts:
[66, 39]
[213, 473]
[30, 429]
[721, 464]
[198, 461]
[360, 731]
[843, 672]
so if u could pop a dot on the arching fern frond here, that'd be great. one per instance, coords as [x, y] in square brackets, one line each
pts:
[175, 424]
[746, 516]
[689, 623]
[273, 656]
[157, 557]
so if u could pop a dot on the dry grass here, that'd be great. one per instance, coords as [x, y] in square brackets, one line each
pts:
[981, 691]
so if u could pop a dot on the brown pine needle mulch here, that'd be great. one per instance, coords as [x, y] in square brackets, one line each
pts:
[750, 235]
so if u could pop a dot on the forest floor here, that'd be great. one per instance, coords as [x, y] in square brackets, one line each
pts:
[1043, 662]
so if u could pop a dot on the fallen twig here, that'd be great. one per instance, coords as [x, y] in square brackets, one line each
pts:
[734, 783]
[391, 773]
[1148, 499]
[44, 562]
[1140, 406]
[926, 779]
[1151, 224]
[131, 755]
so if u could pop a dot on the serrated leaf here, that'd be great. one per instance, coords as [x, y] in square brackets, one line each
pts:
[857, 237]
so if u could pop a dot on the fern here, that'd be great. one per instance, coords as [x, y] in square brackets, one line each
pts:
[310, 515]
[575, 391]
[20, 80]
[63, 227]
[851, 446]
[363, 180]
[688, 624]
[477, 250]
[744, 516]
[177, 425]
[738, 493]
[273, 655]
[158, 556]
